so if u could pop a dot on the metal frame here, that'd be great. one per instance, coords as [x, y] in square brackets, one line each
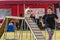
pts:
[32, 36]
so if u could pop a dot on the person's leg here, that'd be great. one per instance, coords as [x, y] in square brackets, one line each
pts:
[50, 33]
[37, 21]
[33, 19]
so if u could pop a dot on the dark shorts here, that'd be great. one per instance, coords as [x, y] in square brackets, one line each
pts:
[50, 26]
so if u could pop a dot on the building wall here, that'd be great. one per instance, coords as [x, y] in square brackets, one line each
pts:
[13, 9]
[40, 6]
[16, 10]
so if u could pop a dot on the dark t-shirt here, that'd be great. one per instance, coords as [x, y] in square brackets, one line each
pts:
[49, 20]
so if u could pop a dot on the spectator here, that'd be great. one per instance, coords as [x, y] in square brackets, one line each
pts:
[27, 12]
[20, 22]
[10, 27]
[37, 17]
[17, 24]
[32, 16]
[20, 19]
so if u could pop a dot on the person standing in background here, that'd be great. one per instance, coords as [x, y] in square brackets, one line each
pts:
[32, 16]
[10, 26]
[37, 17]
[20, 22]
[17, 24]
[28, 12]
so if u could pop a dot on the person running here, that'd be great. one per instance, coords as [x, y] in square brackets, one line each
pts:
[48, 21]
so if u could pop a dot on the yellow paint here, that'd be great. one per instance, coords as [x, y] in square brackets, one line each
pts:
[23, 35]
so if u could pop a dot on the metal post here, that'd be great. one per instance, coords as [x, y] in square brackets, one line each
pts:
[33, 37]
[21, 36]
[20, 33]
[15, 33]
[30, 35]
[22, 30]
[27, 32]
[45, 34]
[55, 32]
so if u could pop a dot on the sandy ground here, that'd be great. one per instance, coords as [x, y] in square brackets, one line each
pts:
[27, 35]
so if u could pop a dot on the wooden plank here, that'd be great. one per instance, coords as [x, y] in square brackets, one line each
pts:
[3, 27]
[14, 17]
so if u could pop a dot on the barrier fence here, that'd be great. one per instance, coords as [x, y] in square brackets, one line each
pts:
[24, 32]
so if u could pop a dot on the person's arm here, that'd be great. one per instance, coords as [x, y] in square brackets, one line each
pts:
[56, 20]
[42, 20]
[42, 23]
